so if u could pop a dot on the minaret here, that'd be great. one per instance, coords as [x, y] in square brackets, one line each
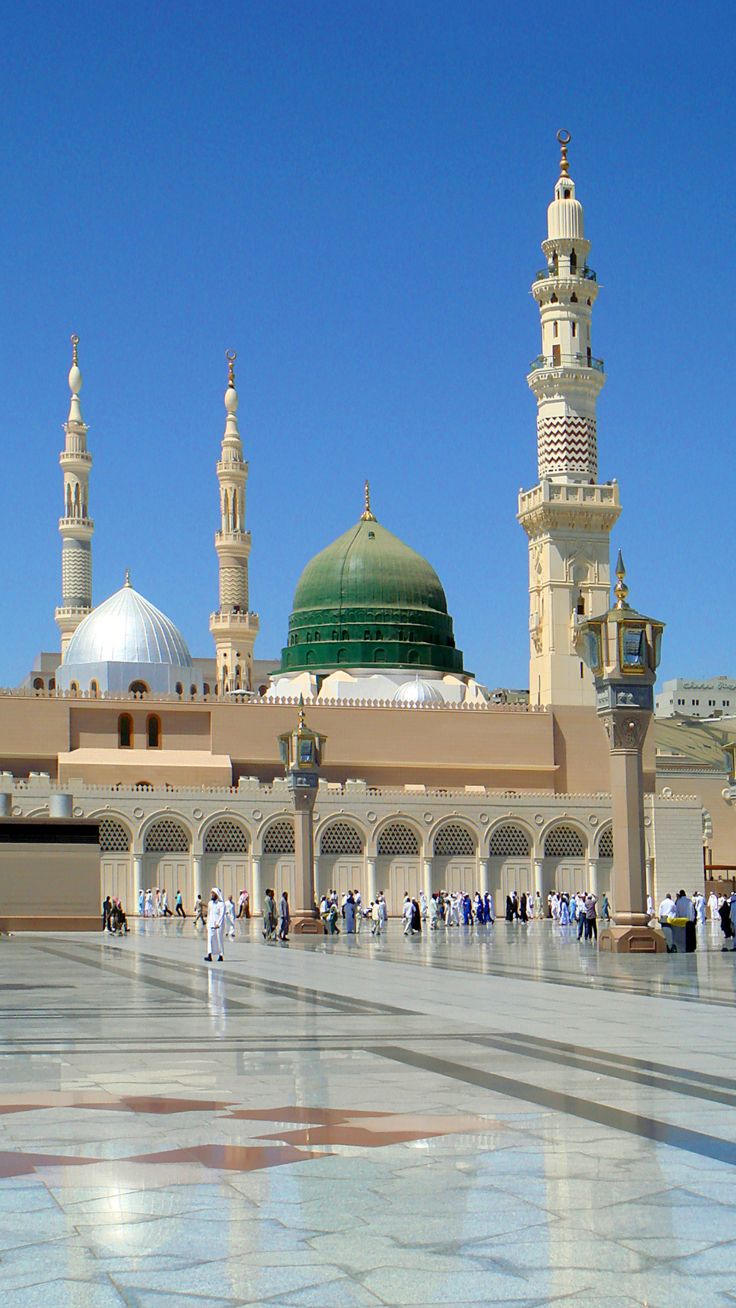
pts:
[76, 526]
[568, 516]
[233, 627]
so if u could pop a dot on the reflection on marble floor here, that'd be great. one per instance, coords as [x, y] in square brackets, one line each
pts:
[492, 1116]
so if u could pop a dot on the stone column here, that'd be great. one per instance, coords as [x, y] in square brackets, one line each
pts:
[137, 878]
[427, 866]
[593, 876]
[256, 892]
[199, 889]
[484, 875]
[370, 871]
[539, 879]
[650, 879]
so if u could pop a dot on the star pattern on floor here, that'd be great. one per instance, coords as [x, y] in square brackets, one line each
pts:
[302, 1127]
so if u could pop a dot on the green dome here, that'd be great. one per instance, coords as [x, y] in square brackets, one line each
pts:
[368, 599]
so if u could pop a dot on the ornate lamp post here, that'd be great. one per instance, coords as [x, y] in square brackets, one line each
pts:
[622, 649]
[301, 753]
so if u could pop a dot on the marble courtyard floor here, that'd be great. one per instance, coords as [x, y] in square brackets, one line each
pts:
[499, 1116]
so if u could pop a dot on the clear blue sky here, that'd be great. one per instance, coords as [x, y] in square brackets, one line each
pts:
[352, 195]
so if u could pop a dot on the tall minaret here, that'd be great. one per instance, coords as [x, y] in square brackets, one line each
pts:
[234, 628]
[568, 516]
[76, 526]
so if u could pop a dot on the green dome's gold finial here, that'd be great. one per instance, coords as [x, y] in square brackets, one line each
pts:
[366, 515]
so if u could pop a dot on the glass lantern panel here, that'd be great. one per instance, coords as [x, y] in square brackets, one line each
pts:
[633, 647]
[306, 751]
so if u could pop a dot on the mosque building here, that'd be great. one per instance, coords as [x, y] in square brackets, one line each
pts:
[429, 782]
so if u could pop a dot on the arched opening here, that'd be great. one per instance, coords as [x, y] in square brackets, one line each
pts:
[340, 863]
[179, 688]
[94, 689]
[564, 860]
[398, 865]
[138, 688]
[38, 683]
[52, 683]
[379, 656]
[74, 688]
[153, 731]
[510, 867]
[206, 688]
[125, 731]
[192, 691]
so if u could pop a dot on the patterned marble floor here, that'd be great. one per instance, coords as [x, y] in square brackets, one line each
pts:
[488, 1116]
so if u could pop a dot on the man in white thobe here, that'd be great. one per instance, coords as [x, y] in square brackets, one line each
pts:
[215, 926]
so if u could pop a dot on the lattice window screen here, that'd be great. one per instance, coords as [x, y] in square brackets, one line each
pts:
[454, 840]
[167, 837]
[114, 837]
[279, 839]
[509, 842]
[563, 842]
[341, 838]
[226, 837]
[398, 839]
[605, 846]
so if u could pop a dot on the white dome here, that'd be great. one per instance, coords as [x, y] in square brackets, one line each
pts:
[419, 692]
[127, 629]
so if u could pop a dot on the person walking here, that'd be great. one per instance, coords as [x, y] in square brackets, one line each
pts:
[349, 914]
[284, 916]
[179, 905]
[165, 910]
[230, 917]
[198, 910]
[269, 916]
[106, 911]
[383, 910]
[406, 915]
[375, 918]
[215, 924]
[591, 926]
[141, 901]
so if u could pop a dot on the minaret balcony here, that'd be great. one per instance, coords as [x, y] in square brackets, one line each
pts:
[238, 539]
[587, 274]
[68, 458]
[234, 619]
[80, 528]
[235, 468]
[548, 362]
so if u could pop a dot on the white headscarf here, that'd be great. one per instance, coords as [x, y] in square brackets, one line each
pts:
[217, 892]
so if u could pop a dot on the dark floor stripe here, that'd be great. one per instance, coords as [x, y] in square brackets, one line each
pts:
[599, 1067]
[647, 1128]
[625, 1060]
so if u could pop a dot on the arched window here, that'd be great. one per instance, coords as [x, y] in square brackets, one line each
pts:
[206, 688]
[94, 689]
[167, 836]
[125, 731]
[455, 841]
[38, 683]
[52, 683]
[179, 688]
[605, 844]
[114, 837]
[379, 656]
[226, 837]
[341, 838]
[153, 731]
[509, 841]
[74, 688]
[398, 838]
[192, 691]
[279, 839]
[563, 842]
[138, 688]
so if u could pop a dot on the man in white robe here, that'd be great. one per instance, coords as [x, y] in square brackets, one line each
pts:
[215, 926]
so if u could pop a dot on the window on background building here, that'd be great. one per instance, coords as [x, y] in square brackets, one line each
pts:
[179, 688]
[153, 731]
[74, 688]
[38, 683]
[94, 689]
[206, 688]
[125, 731]
[138, 688]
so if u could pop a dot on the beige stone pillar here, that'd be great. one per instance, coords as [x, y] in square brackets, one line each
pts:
[427, 879]
[484, 874]
[256, 891]
[137, 879]
[197, 874]
[650, 880]
[370, 872]
[539, 879]
[593, 876]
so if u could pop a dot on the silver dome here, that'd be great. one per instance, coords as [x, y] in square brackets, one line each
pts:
[419, 691]
[127, 629]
